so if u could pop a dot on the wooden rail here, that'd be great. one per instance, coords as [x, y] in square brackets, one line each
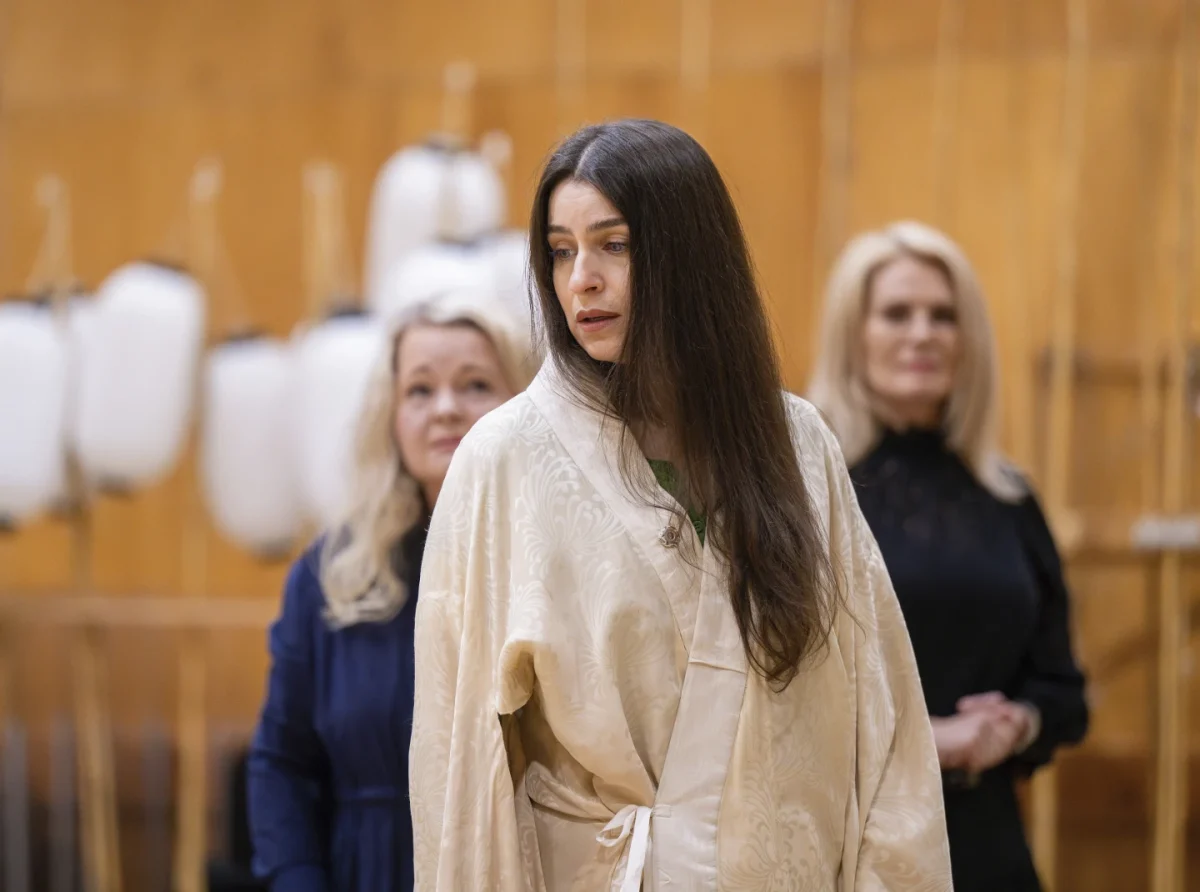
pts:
[88, 618]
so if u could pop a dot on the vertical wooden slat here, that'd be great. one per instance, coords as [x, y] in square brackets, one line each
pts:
[695, 63]
[947, 72]
[458, 94]
[1044, 793]
[8, 715]
[191, 837]
[63, 801]
[191, 816]
[833, 172]
[570, 62]
[14, 793]
[1170, 805]
[1021, 423]
[97, 777]
[157, 802]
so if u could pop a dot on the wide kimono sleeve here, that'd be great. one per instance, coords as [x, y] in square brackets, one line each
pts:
[464, 807]
[287, 768]
[899, 816]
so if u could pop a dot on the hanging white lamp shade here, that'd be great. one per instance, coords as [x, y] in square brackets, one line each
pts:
[33, 399]
[246, 444]
[333, 364]
[423, 194]
[137, 370]
[477, 202]
[80, 309]
[505, 257]
[429, 271]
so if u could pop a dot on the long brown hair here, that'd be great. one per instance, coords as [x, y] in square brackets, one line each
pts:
[698, 357]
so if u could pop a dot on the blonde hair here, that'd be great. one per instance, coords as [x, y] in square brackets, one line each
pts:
[386, 502]
[839, 388]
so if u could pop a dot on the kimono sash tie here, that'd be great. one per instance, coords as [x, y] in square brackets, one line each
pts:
[630, 827]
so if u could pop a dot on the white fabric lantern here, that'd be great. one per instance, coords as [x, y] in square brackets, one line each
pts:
[247, 443]
[141, 345]
[430, 271]
[333, 364]
[505, 257]
[422, 194]
[33, 400]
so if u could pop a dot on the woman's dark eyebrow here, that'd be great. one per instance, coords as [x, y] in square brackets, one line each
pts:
[609, 223]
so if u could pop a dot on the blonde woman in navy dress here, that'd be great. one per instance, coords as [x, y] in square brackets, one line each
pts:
[328, 778]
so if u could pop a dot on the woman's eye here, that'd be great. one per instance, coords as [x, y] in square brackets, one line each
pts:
[417, 390]
[617, 247]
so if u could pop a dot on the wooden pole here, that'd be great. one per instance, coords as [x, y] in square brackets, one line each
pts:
[833, 174]
[945, 110]
[53, 265]
[1170, 803]
[191, 805]
[695, 64]
[321, 191]
[1044, 792]
[96, 776]
[1024, 385]
[570, 62]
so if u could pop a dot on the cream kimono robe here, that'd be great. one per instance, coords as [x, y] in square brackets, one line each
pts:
[584, 714]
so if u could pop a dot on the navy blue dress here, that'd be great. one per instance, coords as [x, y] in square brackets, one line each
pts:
[328, 768]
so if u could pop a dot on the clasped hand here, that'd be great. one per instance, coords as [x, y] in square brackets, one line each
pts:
[984, 732]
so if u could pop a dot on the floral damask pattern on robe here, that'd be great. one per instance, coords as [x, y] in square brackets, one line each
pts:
[555, 633]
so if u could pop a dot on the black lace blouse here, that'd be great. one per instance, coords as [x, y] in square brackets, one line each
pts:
[982, 590]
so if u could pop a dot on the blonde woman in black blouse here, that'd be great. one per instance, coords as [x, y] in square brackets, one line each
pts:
[906, 374]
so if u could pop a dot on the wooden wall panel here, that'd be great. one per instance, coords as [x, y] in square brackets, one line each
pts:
[121, 99]
[629, 36]
[781, 160]
[765, 33]
[892, 143]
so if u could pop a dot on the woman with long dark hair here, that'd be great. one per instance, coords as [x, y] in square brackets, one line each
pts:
[656, 645]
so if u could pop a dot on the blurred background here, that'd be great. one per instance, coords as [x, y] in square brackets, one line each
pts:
[1055, 140]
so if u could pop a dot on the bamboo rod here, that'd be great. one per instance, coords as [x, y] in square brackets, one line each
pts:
[1170, 805]
[209, 257]
[191, 844]
[52, 267]
[833, 174]
[63, 812]
[97, 779]
[7, 708]
[192, 801]
[326, 263]
[695, 64]
[16, 870]
[947, 72]
[341, 273]
[315, 276]
[458, 91]
[1044, 792]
